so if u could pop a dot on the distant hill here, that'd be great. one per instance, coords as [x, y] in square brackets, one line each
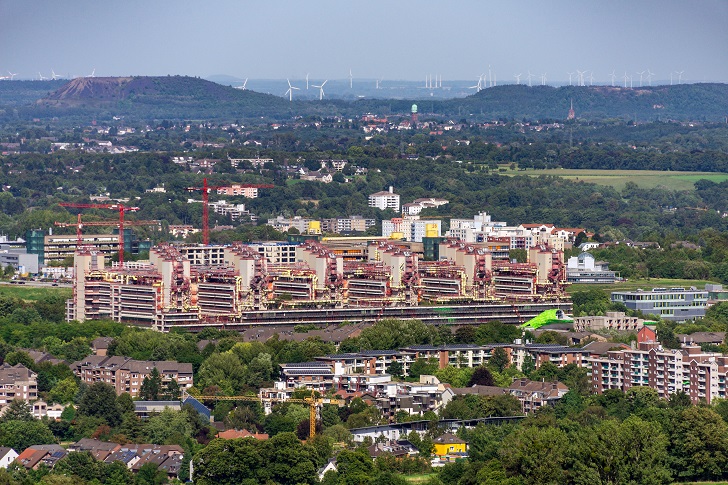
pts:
[182, 97]
[161, 96]
[678, 102]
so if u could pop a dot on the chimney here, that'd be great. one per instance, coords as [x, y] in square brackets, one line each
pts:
[391, 189]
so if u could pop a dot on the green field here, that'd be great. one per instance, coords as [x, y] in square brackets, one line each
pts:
[644, 284]
[619, 178]
[420, 478]
[30, 293]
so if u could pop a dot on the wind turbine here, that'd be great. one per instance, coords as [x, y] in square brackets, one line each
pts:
[290, 90]
[625, 78]
[570, 74]
[242, 88]
[529, 77]
[641, 74]
[478, 86]
[321, 89]
[379, 82]
[679, 76]
[306, 81]
[92, 73]
[54, 76]
[580, 77]
[591, 78]
[40, 76]
[543, 79]
[517, 76]
[351, 80]
[649, 76]
[612, 76]
[12, 75]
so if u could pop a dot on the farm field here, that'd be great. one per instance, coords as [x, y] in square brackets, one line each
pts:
[619, 178]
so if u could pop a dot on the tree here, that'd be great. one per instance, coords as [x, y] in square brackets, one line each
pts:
[64, 391]
[151, 386]
[168, 427]
[17, 410]
[229, 462]
[700, 445]
[422, 367]
[535, 454]
[21, 434]
[171, 391]
[99, 400]
[481, 377]
[150, 474]
[499, 359]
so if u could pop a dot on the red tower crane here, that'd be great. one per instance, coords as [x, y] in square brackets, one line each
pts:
[118, 207]
[205, 189]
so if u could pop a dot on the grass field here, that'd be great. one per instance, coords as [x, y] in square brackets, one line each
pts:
[644, 284]
[421, 478]
[29, 293]
[619, 178]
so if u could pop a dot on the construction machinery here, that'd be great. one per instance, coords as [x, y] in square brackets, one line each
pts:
[118, 207]
[205, 189]
[312, 402]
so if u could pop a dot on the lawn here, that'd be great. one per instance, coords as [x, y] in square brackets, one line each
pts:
[619, 178]
[29, 293]
[644, 284]
[420, 478]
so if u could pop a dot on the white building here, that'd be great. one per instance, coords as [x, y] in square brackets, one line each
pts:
[385, 200]
[412, 228]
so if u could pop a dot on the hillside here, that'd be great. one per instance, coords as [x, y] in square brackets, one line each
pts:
[182, 97]
[169, 97]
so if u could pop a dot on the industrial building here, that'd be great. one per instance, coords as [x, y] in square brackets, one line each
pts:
[238, 285]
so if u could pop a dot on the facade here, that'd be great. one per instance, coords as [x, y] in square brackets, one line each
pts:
[385, 200]
[127, 375]
[283, 224]
[17, 382]
[675, 304]
[56, 248]
[18, 258]
[238, 189]
[701, 375]
[618, 321]
[234, 211]
[449, 444]
[345, 225]
[412, 228]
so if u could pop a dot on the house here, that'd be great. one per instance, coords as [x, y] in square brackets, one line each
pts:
[100, 345]
[534, 394]
[397, 449]
[330, 466]
[7, 456]
[41, 409]
[449, 444]
[33, 456]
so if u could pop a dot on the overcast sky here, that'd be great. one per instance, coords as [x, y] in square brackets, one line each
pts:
[392, 39]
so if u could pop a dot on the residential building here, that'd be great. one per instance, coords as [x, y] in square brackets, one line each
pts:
[275, 252]
[412, 228]
[283, 224]
[127, 375]
[449, 444]
[346, 225]
[385, 200]
[239, 189]
[701, 375]
[414, 208]
[617, 321]
[534, 395]
[41, 409]
[17, 382]
[675, 304]
[234, 211]
[7, 456]
[35, 456]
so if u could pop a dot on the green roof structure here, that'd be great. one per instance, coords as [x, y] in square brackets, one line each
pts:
[547, 318]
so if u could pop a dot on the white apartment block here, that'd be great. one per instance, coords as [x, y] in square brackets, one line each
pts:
[412, 228]
[385, 200]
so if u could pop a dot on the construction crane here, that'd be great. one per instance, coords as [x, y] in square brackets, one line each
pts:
[107, 223]
[205, 189]
[118, 207]
[312, 402]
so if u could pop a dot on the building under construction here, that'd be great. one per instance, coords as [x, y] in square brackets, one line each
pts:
[236, 286]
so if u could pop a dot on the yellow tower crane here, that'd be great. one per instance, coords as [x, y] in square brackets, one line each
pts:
[312, 402]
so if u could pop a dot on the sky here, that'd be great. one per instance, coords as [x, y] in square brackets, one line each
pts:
[390, 39]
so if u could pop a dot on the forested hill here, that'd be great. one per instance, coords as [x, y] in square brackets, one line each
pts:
[680, 102]
[182, 97]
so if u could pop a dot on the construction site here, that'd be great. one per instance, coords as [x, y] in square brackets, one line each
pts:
[237, 286]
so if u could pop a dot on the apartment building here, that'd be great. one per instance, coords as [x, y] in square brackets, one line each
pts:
[345, 225]
[701, 375]
[127, 375]
[412, 228]
[385, 200]
[675, 304]
[618, 321]
[17, 382]
[238, 189]
[534, 394]
[585, 269]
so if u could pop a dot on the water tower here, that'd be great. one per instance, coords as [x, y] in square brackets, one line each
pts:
[414, 116]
